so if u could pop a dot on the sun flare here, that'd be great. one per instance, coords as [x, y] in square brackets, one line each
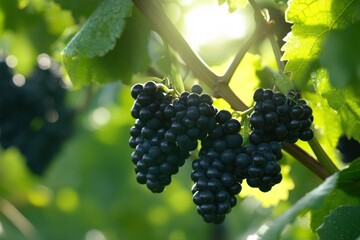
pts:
[207, 24]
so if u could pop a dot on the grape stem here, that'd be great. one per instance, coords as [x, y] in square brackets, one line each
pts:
[303, 157]
[322, 156]
[161, 24]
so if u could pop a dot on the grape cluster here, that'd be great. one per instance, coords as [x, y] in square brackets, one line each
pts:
[258, 164]
[168, 128]
[154, 157]
[215, 185]
[349, 149]
[33, 115]
[192, 116]
[277, 117]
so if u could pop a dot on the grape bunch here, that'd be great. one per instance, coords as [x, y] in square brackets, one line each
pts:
[154, 157]
[349, 149]
[258, 164]
[33, 115]
[167, 128]
[192, 116]
[277, 117]
[215, 185]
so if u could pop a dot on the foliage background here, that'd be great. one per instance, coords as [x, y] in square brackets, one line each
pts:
[89, 191]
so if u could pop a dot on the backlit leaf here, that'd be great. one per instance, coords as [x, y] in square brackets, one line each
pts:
[313, 20]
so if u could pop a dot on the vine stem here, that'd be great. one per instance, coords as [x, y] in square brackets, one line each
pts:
[17, 218]
[241, 53]
[161, 24]
[322, 156]
[270, 35]
[303, 157]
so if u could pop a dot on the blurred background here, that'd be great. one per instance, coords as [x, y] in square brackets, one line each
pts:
[89, 191]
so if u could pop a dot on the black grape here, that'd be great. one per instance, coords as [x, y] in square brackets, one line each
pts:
[155, 158]
[349, 149]
[277, 117]
[258, 164]
[34, 117]
[215, 185]
[192, 116]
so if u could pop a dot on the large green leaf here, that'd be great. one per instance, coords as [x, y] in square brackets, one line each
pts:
[129, 56]
[312, 200]
[79, 7]
[313, 20]
[341, 57]
[346, 193]
[99, 33]
[96, 38]
[333, 201]
[349, 179]
[344, 101]
[342, 223]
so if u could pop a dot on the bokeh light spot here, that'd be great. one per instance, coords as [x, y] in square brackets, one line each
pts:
[39, 196]
[158, 215]
[94, 234]
[19, 80]
[67, 199]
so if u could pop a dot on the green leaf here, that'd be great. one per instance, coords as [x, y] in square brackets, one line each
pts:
[346, 193]
[129, 56]
[313, 20]
[349, 179]
[333, 201]
[79, 7]
[344, 101]
[99, 33]
[342, 223]
[312, 200]
[341, 58]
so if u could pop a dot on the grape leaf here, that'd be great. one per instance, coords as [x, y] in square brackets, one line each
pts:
[342, 223]
[349, 179]
[79, 7]
[341, 58]
[343, 101]
[334, 200]
[129, 56]
[312, 22]
[312, 200]
[346, 193]
[99, 33]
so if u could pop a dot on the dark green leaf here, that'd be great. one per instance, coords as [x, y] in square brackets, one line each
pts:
[99, 33]
[334, 200]
[342, 223]
[79, 7]
[349, 179]
[312, 200]
[129, 56]
[341, 57]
